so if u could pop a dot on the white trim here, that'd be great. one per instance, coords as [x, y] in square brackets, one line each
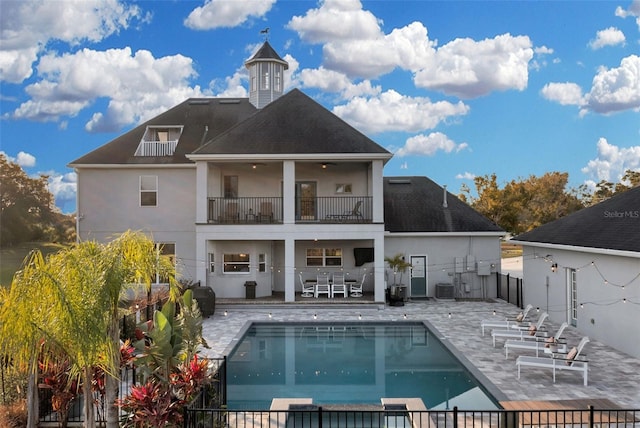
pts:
[604, 251]
[437, 234]
[291, 156]
[132, 166]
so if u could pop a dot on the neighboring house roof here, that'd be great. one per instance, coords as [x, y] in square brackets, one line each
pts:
[202, 119]
[417, 204]
[292, 124]
[612, 225]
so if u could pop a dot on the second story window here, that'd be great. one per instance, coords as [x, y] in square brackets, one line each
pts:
[230, 186]
[265, 76]
[148, 190]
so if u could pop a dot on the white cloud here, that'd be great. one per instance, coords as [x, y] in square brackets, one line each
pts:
[63, 187]
[468, 69]
[27, 27]
[334, 81]
[563, 93]
[336, 20]
[612, 162]
[138, 86]
[391, 111]
[466, 176]
[226, 14]
[428, 145]
[25, 160]
[612, 90]
[634, 10]
[463, 67]
[609, 37]
[616, 89]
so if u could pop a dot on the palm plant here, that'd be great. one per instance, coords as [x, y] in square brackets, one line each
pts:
[397, 264]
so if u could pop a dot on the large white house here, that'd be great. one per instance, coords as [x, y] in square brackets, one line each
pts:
[585, 269]
[274, 189]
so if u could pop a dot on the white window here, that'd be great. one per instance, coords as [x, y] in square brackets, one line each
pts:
[265, 76]
[148, 190]
[320, 257]
[212, 264]
[573, 296]
[276, 81]
[236, 263]
[262, 262]
[343, 188]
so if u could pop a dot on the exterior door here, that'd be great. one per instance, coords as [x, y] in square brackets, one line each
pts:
[418, 276]
[306, 200]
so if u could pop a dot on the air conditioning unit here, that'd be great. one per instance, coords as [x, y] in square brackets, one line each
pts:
[444, 291]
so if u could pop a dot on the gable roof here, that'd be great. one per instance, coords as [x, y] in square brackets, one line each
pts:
[201, 118]
[612, 225]
[292, 124]
[416, 204]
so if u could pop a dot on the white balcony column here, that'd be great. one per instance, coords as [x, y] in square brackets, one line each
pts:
[377, 191]
[201, 191]
[289, 270]
[378, 256]
[288, 192]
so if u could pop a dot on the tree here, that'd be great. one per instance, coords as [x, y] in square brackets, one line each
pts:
[27, 209]
[606, 189]
[71, 301]
[523, 204]
[397, 264]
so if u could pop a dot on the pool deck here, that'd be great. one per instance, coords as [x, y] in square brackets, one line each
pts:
[613, 375]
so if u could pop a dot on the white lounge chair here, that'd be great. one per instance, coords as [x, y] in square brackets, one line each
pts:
[355, 289]
[521, 330]
[573, 360]
[322, 286]
[308, 288]
[535, 342]
[505, 322]
[338, 285]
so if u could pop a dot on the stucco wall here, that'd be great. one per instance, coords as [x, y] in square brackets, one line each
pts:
[441, 252]
[601, 313]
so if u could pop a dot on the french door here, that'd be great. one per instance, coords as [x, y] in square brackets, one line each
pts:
[306, 202]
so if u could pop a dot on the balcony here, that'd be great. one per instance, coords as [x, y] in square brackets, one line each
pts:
[269, 210]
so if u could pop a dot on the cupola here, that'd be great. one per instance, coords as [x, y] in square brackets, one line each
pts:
[266, 76]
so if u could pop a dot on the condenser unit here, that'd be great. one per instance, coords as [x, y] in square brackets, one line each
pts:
[444, 291]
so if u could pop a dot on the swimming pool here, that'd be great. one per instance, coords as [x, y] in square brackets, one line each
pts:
[349, 363]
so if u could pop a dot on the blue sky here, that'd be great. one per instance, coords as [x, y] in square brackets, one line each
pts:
[455, 89]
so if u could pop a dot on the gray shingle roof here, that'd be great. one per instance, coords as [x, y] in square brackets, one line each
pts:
[292, 124]
[416, 204]
[202, 119]
[266, 52]
[613, 225]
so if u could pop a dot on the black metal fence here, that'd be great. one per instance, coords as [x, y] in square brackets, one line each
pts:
[510, 290]
[321, 417]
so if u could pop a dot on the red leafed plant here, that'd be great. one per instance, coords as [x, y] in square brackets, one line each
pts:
[151, 405]
[55, 376]
[190, 378]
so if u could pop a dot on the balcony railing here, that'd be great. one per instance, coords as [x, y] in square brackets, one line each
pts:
[265, 210]
[156, 148]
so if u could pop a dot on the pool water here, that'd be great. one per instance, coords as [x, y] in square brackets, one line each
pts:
[350, 363]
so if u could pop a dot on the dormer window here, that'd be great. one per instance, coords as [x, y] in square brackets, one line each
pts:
[159, 141]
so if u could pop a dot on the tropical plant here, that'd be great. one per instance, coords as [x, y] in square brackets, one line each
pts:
[397, 264]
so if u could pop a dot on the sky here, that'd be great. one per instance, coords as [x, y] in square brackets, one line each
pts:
[455, 89]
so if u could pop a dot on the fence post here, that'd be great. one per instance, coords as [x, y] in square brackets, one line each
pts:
[319, 416]
[455, 416]
[509, 288]
[590, 415]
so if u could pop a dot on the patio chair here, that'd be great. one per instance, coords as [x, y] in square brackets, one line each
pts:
[355, 289]
[266, 212]
[322, 286]
[338, 285]
[231, 213]
[574, 360]
[308, 288]
[354, 213]
[521, 331]
[537, 343]
[507, 322]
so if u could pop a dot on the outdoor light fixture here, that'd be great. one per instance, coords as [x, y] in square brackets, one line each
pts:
[554, 267]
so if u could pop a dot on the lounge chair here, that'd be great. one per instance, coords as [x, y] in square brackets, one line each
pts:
[308, 288]
[322, 286]
[355, 289]
[266, 212]
[522, 330]
[573, 360]
[536, 343]
[338, 285]
[352, 214]
[507, 322]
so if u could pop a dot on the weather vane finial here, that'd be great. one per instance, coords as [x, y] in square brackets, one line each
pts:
[266, 33]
